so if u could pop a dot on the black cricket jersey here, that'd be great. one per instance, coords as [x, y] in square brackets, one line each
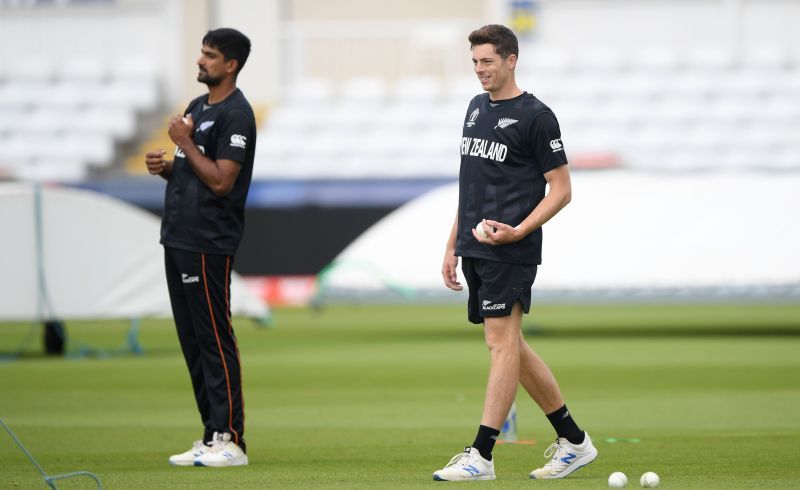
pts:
[195, 219]
[506, 148]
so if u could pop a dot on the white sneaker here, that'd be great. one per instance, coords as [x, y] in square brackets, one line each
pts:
[565, 458]
[187, 458]
[468, 465]
[222, 452]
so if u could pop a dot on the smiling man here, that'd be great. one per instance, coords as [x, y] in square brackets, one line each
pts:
[510, 151]
[207, 184]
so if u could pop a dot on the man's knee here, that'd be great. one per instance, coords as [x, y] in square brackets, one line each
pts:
[501, 333]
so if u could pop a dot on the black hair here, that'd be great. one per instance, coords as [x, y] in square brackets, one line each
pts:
[231, 43]
[501, 37]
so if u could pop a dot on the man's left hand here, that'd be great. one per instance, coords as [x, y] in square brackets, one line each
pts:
[498, 233]
[180, 130]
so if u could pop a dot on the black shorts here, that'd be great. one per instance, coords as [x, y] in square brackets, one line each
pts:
[494, 287]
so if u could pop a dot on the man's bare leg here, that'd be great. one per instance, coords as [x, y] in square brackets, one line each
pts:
[503, 340]
[537, 379]
[575, 450]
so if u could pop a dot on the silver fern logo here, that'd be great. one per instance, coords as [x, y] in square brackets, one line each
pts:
[505, 122]
[473, 117]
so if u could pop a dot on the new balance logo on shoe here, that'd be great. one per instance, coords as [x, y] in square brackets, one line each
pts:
[472, 470]
[468, 465]
[568, 458]
[505, 122]
[565, 458]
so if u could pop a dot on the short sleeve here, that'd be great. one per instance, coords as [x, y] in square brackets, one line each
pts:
[234, 136]
[548, 149]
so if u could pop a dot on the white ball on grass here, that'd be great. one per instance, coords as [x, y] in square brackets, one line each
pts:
[617, 480]
[650, 480]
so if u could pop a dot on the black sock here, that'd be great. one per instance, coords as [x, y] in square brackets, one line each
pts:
[564, 425]
[484, 441]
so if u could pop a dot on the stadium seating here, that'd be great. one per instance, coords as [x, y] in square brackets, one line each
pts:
[649, 108]
[61, 121]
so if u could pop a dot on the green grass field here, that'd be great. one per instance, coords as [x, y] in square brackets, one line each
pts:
[380, 397]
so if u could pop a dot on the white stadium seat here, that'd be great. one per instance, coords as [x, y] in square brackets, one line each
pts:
[118, 123]
[61, 118]
[138, 95]
[46, 120]
[82, 69]
[69, 94]
[9, 118]
[309, 92]
[22, 94]
[417, 90]
[654, 58]
[602, 59]
[33, 69]
[134, 68]
[364, 90]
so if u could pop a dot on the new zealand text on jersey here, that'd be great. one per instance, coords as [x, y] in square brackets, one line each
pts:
[478, 147]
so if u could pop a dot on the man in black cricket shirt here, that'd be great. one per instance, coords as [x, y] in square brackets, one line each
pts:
[510, 150]
[207, 185]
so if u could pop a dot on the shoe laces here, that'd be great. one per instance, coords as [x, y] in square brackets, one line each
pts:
[458, 458]
[217, 446]
[554, 452]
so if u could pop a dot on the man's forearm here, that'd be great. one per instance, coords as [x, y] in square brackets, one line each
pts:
[553, 202]
[206, 169]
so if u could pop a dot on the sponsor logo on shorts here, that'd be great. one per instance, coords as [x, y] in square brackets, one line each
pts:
[490, 305]
[187, 279]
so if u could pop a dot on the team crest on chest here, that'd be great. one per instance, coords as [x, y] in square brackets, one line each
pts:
[473, 117]
[505, 122]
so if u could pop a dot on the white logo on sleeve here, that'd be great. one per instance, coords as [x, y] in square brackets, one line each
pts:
[238, 141]
[505, 122]
[472, 118]
[556, 145]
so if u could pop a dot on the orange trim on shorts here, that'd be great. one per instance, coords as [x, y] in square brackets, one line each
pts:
[221, 354]
[230, 329]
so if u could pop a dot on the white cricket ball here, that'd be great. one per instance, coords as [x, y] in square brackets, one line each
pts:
[480, 230]
[650, 480]
[617, 480]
